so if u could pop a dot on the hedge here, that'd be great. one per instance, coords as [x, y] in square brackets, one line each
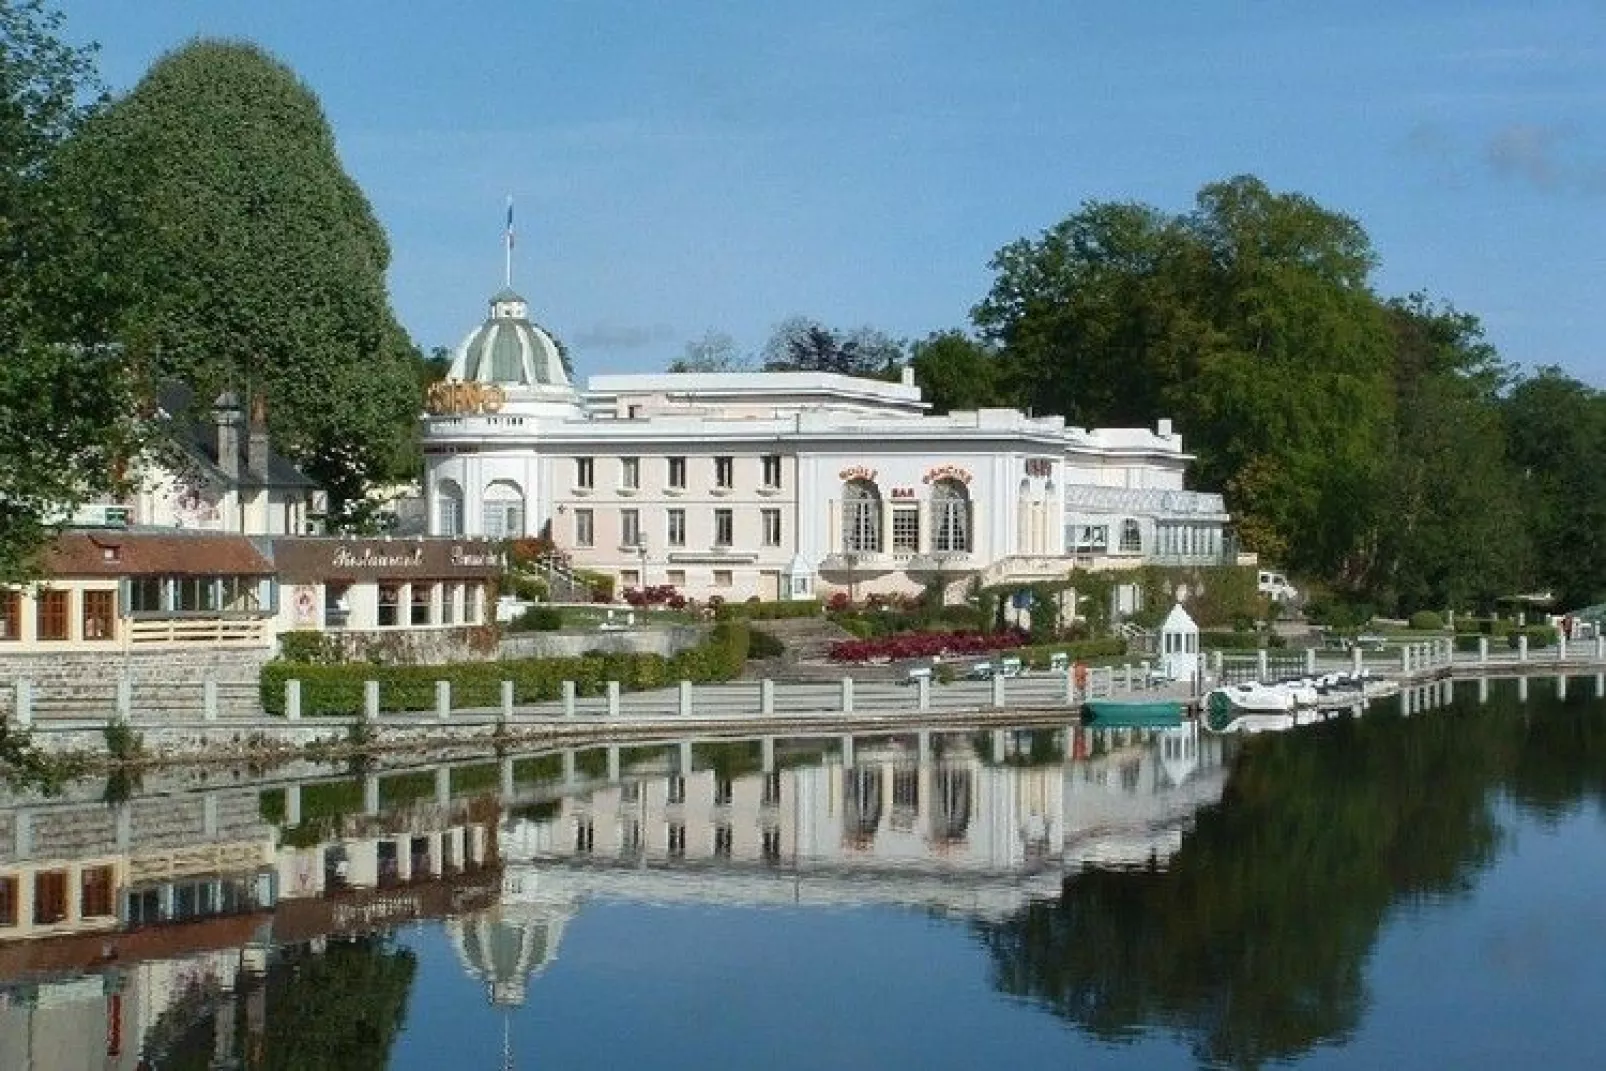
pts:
[1239, 641]
[338, 689]
[767, 611]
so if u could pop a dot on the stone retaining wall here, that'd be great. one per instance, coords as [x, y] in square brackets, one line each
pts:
[85, 682]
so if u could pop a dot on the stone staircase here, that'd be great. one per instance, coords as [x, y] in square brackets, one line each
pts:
[563, 584]
[807, 639]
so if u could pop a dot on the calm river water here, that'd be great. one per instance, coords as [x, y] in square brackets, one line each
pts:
[1423, 890]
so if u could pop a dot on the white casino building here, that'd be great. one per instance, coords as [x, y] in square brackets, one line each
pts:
[791, 484]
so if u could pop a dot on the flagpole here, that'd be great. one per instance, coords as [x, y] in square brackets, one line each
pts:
[507, 246]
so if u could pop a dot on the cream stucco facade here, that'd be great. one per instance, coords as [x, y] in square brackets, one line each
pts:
[791, 484]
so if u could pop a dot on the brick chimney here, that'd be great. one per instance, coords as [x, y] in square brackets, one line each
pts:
[256, 444]
[226, 417]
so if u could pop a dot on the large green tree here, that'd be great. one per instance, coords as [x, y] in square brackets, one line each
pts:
[216, 225]
[1556, 437]
[955, 371]
[1453, 531]
[66, 403]
[1249, 319]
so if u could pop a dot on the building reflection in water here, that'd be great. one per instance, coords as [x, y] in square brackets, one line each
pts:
[126, 929]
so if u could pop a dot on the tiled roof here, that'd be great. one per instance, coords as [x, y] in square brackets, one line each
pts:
[1144, 501]
[164, 553]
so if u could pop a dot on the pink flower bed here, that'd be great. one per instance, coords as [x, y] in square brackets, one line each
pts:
[925, 645]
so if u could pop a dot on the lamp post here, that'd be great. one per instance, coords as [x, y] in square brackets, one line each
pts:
[641, 549]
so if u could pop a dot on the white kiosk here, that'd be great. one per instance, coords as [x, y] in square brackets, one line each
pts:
[1179, 645]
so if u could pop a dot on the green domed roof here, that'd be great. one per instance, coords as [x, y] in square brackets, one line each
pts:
[509, 350]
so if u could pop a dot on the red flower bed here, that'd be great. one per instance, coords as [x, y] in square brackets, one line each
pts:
[926, 645]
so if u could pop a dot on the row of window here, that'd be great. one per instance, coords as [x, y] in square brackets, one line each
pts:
[862, 520]
[1185, 540]
[415, 604]
[585, 472]
[51, 892]
[631, 535]
[631, 840]
[53, 614]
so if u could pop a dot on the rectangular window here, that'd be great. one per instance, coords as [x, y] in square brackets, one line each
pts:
[49, 897]
[145, 595]
[421, 598]
[630, 527]
[585, 534]
[723, 578]
[675, 578]
[195, 594]
[770, 845]
[585, 472]
[724, 472]
[677, 527]
[676, 840]
[724, 527]
[95, 892]
[389, 604]
[772, 471]
[630, 473]
[629, 578]
[503, 518]
[8, 901]
[585, 836]
[677, 789]
[52, 614]
[451, 515]
[723, 839]
[10, 615]
[724, 791]
[906, 529]
[240, 594]
[677, 473]
[772, 527]
[99, 614]
[449, 604]
[772, 789]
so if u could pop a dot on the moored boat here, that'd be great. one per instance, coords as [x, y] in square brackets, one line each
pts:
[1124, 714]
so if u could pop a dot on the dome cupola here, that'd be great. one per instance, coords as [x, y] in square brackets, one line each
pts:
[509, 350]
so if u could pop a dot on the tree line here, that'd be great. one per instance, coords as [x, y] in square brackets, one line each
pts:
[1377, 445]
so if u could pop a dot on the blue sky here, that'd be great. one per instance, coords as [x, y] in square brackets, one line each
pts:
[681, 167]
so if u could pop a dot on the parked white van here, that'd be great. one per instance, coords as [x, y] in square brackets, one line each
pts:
[1276, 587]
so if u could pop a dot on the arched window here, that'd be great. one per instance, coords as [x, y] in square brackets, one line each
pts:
[861, 516]
[448, 508]
[950, 516]
[1131, 537]
[503, 510]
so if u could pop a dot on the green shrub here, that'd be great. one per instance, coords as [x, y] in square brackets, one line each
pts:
[1240, 640]
[338, 689]
[768, 611]
[1539, 637]
[538, 619]
[761, 644]
[309, 646]
[1426, 621]
[1040, 655]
